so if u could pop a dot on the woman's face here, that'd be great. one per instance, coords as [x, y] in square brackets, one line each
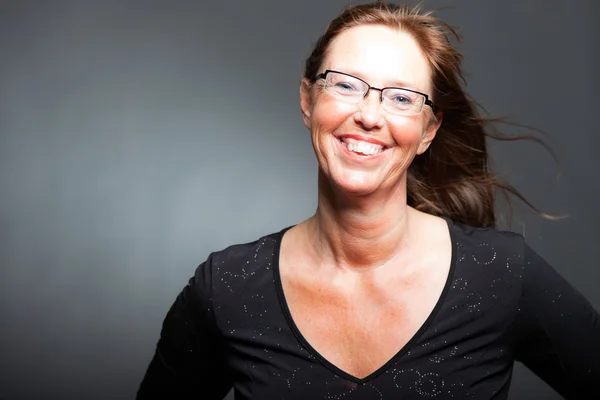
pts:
[382, 57]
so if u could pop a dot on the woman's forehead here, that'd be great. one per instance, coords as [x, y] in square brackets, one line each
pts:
[380, 55]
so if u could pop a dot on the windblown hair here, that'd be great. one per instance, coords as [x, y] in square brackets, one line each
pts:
[452, 178]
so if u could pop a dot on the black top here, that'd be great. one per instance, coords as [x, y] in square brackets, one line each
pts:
[231, 326]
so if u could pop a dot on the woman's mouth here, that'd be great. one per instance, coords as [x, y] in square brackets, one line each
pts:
[360, 147]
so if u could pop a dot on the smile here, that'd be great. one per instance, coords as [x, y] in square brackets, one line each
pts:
[361, 147]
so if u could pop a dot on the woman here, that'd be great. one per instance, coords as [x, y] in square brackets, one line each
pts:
[398, 286]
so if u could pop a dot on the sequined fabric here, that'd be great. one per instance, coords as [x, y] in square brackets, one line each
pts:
[502, 303]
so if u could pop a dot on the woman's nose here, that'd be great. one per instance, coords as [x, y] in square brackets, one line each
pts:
[369, 110]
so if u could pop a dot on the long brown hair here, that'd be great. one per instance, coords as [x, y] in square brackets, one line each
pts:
[452, 178]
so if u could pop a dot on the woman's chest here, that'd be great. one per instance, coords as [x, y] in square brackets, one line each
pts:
[457, 351]
[360, 329]
[446, 359]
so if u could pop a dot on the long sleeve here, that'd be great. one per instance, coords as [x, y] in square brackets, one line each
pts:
[189, 361]
[560, 332]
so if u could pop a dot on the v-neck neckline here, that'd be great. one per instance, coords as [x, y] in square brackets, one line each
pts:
[400, 353]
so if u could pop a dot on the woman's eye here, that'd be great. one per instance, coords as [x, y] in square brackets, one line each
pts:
[402, 100]
[345, 86]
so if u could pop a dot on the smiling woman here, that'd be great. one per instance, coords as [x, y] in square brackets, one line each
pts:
[338, 110]
[399, 286]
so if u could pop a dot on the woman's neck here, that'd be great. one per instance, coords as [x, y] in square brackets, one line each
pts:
[360, 233]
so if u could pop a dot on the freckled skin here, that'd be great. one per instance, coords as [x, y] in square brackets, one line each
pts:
[378, 311]
[382, 57]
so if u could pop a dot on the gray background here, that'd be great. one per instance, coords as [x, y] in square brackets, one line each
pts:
[136, 137]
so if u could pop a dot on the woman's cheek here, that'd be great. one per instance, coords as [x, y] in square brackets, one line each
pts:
[406, 131]
[330, 114]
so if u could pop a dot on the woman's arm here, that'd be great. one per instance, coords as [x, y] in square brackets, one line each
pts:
[561, 332]
[189, 361]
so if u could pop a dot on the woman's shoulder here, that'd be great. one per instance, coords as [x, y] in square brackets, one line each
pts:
[230, 270]
[474, 235]
[487, 245]
[246, 255]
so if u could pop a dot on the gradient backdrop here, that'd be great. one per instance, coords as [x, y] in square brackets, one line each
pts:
[137, 137]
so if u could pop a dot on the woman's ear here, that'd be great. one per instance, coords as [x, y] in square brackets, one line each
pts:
[306, 101]
[430, 132]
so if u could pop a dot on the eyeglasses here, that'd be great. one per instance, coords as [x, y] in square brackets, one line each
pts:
[353, 90]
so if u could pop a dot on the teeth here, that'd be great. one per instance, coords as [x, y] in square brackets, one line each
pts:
[363, 147]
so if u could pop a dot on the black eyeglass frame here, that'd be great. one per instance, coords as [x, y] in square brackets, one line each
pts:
[427, 102]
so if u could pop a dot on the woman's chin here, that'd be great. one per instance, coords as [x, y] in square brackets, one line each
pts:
[358, 187]
[355, 181]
